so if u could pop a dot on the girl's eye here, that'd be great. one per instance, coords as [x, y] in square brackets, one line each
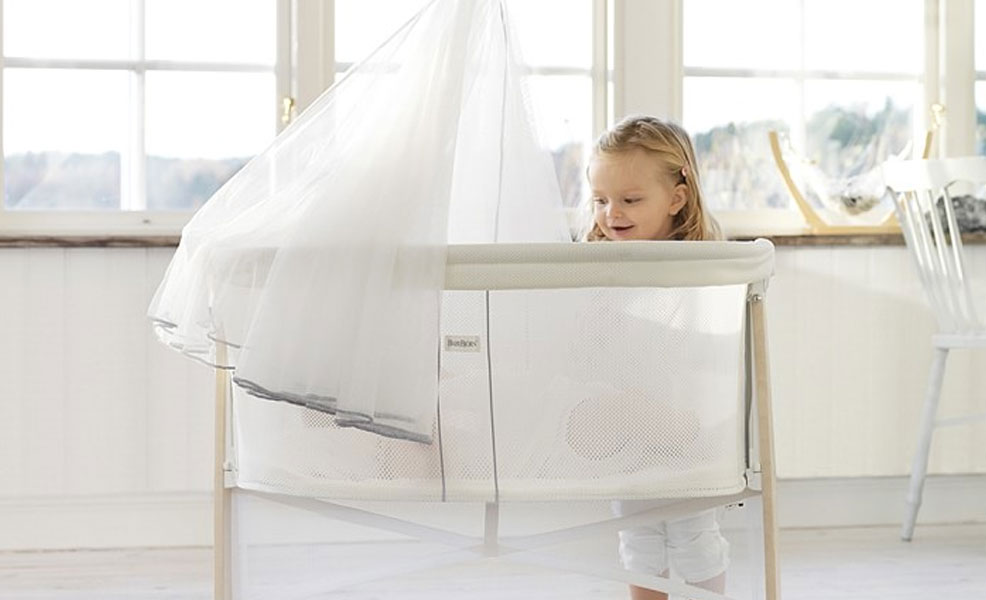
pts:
[599, 201]
[632, 200]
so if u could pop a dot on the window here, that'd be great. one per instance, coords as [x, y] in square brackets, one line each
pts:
[140, 109]
[132, 106]
[798, 67]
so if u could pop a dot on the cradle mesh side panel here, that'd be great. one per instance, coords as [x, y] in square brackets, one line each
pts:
[292, 450]
[596, 393]
[618, 393]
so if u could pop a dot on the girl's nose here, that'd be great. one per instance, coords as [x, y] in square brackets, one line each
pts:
[613, 210]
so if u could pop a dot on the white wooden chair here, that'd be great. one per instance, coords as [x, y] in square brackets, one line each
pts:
[922, 192]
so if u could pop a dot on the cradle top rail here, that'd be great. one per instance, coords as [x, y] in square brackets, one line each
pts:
[514, 266]
[552, 265]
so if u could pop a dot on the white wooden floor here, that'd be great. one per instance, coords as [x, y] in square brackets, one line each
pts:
[833, 564]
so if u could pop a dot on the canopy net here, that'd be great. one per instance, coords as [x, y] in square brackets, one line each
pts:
[315, 272]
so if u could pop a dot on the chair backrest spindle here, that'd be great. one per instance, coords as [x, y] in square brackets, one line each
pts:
[936, 247]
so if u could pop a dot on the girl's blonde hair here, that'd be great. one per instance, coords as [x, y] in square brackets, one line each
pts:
[670, 145]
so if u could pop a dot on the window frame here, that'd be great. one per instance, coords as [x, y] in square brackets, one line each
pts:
[133, 219]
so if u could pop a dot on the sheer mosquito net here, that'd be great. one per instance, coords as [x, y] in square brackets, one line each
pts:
[315, 272]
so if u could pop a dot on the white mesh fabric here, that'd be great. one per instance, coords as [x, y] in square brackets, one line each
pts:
[618, 393]
[283, 448]
[596, 393]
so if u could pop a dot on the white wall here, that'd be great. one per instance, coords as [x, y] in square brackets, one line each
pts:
[849, 335]
[99, 423]
[101, 427]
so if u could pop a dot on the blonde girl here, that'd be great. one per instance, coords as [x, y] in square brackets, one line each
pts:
[645, 186]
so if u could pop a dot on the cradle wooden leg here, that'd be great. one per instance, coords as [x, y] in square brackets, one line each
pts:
[221, 497]
[766, 444]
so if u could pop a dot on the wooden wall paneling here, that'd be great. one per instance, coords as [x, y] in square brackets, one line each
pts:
[849, 365]
[45, 424]
[13, 335]
[888, 312]
[783, 354]
[977, 392]
[815, 341]
[103, 375]
[179, 402]
[167, 444]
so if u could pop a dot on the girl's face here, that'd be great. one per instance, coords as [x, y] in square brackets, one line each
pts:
[632, 200]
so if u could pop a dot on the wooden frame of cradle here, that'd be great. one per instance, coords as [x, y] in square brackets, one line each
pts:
[462, 274]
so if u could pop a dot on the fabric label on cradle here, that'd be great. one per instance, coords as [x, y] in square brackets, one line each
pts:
[462, 343]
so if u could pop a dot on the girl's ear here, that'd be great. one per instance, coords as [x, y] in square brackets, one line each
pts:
[679, 196]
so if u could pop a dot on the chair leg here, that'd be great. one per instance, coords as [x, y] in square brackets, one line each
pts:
[920, 465]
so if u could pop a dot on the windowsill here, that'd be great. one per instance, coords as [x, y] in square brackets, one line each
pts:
[807, 239]
[9, 240]
[13, 240]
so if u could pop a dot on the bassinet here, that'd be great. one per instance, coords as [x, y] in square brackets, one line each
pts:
[567, 372]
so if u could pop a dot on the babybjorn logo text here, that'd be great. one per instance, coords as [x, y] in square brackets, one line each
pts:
[462, 343]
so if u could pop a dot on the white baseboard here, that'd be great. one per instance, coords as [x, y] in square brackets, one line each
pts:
[185, 519]
[869, 501]
[106, 521]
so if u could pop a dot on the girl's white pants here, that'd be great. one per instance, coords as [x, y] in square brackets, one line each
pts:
[691, 547]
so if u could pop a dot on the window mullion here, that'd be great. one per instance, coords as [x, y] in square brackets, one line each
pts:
[647, 71]
[930, 90]
[282, 69]
[795, 73]
[600, 45]
[133, 185]
[799, 130]
[130, 65]
[313, 62]
[3, 70]
[957, 77]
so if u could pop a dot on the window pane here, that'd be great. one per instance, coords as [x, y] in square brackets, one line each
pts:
[63, 135]
[235, 31]
[362, 25]
[852, 126]
[875, 35]
[554, 33]
[735, 162]
[67, 28]
[761, 34]
[201, 128]
[563, 111]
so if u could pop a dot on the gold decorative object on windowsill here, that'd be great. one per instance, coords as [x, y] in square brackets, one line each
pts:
[850, 216]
